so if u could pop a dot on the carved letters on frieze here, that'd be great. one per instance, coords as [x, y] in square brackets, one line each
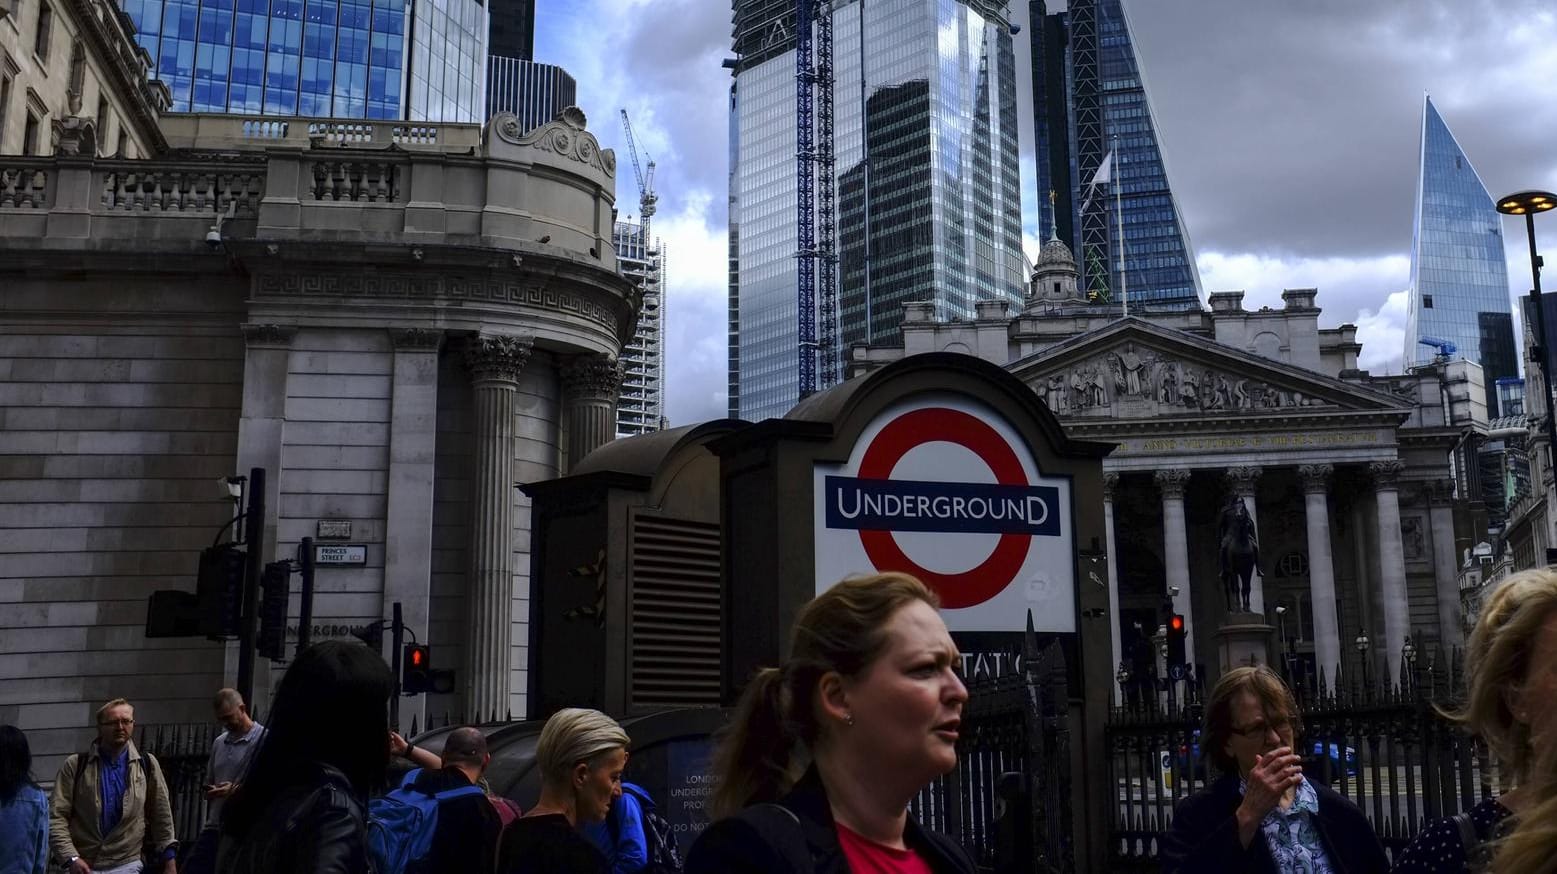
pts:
[1125, 381]
[430, 286]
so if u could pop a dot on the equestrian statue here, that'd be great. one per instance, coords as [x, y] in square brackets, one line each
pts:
[1239, 552]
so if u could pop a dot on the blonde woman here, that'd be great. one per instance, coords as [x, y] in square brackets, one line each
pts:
[1511, 664]
[868, 708]
[581, 755]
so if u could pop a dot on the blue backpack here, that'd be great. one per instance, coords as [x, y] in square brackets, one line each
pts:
[401, 824]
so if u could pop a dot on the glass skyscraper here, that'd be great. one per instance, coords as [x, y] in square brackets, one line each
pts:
[928, 185]
[641, 407]
[1459, 280]
[1090, 99]
[370, 59]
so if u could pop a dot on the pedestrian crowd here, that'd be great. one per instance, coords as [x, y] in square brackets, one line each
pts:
[814, 774]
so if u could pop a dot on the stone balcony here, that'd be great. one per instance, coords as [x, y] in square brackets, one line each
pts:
[322, 216]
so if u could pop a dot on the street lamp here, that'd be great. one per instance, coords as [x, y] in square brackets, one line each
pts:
[1527, 204]
[1362, 652]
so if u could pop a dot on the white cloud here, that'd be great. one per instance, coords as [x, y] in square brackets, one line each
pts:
[1356, 290]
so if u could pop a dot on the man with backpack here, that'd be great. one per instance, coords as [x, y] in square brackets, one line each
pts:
[110, 805]
[439, 820]
[634, 837]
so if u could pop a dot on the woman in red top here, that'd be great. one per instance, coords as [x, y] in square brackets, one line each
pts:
[870, 697]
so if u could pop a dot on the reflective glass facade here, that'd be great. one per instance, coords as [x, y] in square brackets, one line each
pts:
[928, 184]
[1459, 280]
[327, 58]
[641, 407]
[1090, 98]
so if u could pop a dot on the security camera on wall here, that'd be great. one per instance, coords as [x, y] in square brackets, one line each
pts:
[213, 238]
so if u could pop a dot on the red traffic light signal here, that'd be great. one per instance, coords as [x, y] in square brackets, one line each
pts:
[1175, 641]
[1177, 623]
[416, 669]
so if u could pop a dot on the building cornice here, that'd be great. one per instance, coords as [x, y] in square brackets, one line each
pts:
[111, 38]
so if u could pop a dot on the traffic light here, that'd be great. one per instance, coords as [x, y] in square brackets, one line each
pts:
[1176, 639]
[275, 586]
[219, 589]
[416, 669]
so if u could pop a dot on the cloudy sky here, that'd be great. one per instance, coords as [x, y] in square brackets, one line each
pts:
[1290, 130]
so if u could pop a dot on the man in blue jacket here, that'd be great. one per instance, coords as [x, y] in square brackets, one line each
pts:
[620, 836]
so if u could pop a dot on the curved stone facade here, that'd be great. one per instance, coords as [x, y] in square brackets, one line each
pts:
[324, 333]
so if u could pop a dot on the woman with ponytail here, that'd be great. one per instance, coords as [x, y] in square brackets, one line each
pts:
[824, 753]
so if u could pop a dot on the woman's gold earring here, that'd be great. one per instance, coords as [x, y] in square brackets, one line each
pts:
[849, 720]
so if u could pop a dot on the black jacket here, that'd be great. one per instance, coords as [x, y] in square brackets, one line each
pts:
[316, 826]
[763, 839]
[1204, 836]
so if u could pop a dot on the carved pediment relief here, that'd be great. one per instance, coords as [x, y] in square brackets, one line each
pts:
[1130, 372]
[1132, 380]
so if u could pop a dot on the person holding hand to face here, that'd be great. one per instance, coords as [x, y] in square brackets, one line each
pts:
[1264, 815]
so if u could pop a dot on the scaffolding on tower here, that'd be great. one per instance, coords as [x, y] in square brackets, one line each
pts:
[815, 213]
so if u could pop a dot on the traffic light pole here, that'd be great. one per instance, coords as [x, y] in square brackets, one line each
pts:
[254, 536]
[396, 648]
[305, 614]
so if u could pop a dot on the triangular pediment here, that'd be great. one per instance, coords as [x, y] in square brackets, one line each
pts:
[1137, 369]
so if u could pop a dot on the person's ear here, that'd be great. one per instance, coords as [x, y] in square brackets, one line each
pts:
[580, 774]
[832, 696]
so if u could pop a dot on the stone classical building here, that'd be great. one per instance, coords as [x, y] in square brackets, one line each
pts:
[72, 80]
[400, 323]
[1360, 507]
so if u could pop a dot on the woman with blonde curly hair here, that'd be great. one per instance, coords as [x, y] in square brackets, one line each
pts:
[868, 708]
[1511, 663]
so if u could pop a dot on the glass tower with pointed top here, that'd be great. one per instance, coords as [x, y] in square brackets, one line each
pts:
[1089, 94]
[1459, 279]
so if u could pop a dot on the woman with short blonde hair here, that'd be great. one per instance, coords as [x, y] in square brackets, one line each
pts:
[581, 754]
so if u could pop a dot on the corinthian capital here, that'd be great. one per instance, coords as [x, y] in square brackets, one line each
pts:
[593, 377]
[1315, 477]
[1386, 474]
[1242, 479]
[494, 357]
[1172, 482]
[269, 336]
[1110, 485]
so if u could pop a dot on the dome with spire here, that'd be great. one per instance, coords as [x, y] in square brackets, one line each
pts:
[1055, 276]
[1055, 254]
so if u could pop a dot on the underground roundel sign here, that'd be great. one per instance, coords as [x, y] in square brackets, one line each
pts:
[942, 487]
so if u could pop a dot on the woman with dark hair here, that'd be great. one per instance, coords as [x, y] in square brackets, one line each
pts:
[24, 809]
[302, 807]
[870, 698]
[1511, 669]
[1263, 815]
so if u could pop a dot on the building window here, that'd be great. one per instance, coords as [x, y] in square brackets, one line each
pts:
[102, 117]
[76, 87]
[30, 135]
[40, 41]
[1427, 301]
[124, 143]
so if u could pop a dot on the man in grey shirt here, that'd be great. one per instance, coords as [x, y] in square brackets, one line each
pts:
[230, 756]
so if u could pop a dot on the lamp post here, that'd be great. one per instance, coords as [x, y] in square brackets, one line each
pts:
[1124, 678]
[1408, 656]
[1527, 204]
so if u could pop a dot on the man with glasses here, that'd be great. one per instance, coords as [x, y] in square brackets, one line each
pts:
[1263, 815]
[110, 808]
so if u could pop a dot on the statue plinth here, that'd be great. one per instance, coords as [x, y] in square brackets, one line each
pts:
[1243, 639]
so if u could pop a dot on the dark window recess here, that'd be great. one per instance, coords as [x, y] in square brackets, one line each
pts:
[40, 42]
[1427, 301]
[1056, 289]
[30, 136]
[1459, 163]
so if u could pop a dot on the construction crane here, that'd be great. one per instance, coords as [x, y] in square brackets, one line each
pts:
[646, 196]
[1445, 348]
[815, 255]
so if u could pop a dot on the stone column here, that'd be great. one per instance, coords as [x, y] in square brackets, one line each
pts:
[1242, 481]
[495, 363]
[1321, 569]
[1111, 485]
[1176, 548]
[413, 436]
[261, 423]
[1392, 563]
[593, 383]
[1446, 563]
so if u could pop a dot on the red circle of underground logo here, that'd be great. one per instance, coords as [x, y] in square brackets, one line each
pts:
[939, 424]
